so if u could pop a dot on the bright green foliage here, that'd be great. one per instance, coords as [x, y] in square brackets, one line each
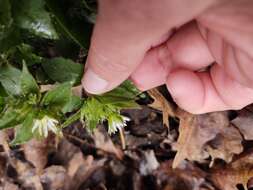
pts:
[27, 82]
[97, 109]
[57, 98]
[34, 114]
[13, 115]
[32, 16]
[31, 32]
[63, 70]
[74, 103]
[24, 130]
[10, 79]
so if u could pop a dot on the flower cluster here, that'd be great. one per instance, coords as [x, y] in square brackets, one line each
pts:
[44, 125]
[116, 122]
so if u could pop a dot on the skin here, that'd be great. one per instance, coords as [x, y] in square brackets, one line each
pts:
[207, 64]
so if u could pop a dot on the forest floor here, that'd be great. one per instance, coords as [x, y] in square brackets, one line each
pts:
[203, 152]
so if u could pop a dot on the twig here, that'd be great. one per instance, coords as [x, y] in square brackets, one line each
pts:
[72, 119]
[122, 138]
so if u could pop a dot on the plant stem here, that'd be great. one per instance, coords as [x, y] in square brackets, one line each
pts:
[72, 119]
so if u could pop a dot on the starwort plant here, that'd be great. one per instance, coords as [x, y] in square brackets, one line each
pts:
[40, 43]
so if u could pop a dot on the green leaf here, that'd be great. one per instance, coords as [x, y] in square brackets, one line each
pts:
[63, 70]
[74, 104]
[31, 15]
[41, 76]
[119, 102]
[97, 109]
[127, 90]
[72, 24]
[3, 93]
[5, 17]
[9, 39]
[9, 119]
[28, 83]
[93, 112]
[25, 52]
[58, 97]
[10, 79]
[122, 97]
[2, 103]
[24, 131]
[13, 116]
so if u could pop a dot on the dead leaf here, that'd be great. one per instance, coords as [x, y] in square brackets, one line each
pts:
[75, 163]
[161, 103]
[8, 186]
[103, 142]
[36, 152]
[3, 165]
[238, 172]
[244, 122]
[66, 151]
[27, 175]
[185, 177]
[4, 141]
[84, 172]
[149, 163]
[225, 145]
[54, 177]
[196, 131]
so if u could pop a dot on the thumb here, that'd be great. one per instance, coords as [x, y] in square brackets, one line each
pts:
[117, 46]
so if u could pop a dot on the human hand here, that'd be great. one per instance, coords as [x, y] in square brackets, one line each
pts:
[132, 38]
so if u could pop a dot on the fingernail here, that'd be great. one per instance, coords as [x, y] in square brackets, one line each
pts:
[92, 83]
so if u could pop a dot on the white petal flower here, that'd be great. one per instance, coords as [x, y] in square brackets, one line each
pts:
[116, 122]
[44, 125]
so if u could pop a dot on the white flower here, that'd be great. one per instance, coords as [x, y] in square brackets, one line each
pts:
[44, 125]
[116, 122]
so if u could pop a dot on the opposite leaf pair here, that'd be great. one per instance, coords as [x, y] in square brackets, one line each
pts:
[34, 113]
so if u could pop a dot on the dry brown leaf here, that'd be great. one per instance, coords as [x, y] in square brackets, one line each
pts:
[65, 151]
[186, 177]
[78, 167]
[244, 122]
[76, 162]
[195, 131]
[161, 103]
[8, 186]
[149, 163]
[36, 152]
[104, 142]
[27, 175]
[238, 172]
[54, 177]
[4, 141]
[84, 172]
[225, 145]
